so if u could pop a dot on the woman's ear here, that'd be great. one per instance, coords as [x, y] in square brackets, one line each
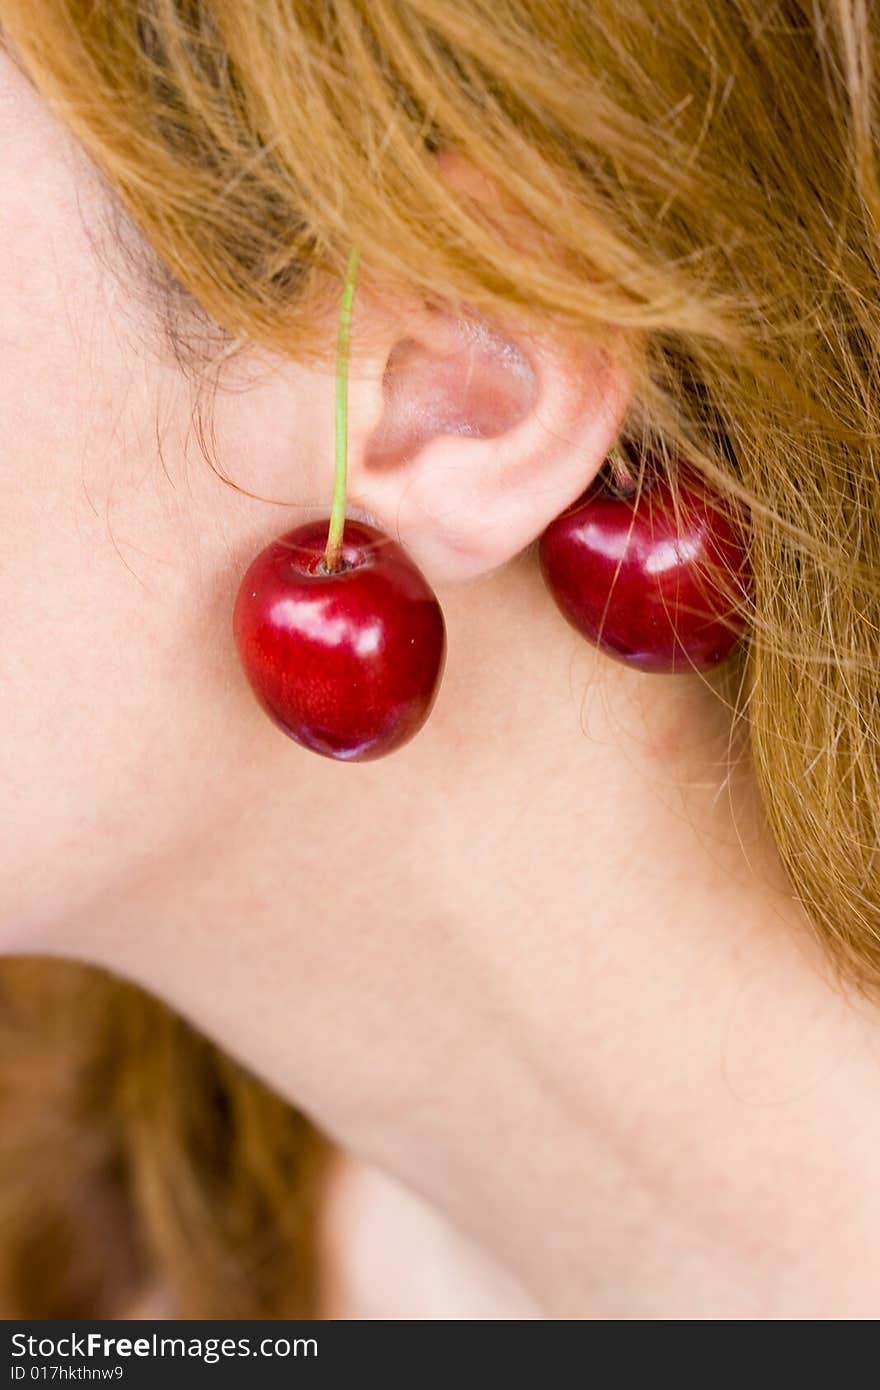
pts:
[466, 442]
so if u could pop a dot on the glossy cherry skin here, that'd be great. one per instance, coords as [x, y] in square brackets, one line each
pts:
[656, 586]
[346, 663]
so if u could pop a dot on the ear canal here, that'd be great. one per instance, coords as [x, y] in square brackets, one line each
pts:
[468, 380]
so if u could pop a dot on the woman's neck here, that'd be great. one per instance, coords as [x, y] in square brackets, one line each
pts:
[675, 1117]
[552, 980]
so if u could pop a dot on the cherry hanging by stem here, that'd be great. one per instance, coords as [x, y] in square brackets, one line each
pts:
[340, 635]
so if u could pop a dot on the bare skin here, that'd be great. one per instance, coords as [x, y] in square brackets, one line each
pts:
[540, 969]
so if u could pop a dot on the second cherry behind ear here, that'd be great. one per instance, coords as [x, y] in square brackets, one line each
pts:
[657, 581]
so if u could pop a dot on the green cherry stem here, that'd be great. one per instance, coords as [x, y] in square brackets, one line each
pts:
[337, 512]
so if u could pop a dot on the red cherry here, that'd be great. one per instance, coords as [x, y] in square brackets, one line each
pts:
[655, 583]
[346, 662]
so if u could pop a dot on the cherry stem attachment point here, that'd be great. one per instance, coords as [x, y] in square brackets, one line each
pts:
[337, 512]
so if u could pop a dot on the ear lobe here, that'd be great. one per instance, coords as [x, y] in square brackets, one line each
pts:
[483, 440]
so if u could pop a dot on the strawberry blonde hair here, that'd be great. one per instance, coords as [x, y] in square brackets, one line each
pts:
[702, 177]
